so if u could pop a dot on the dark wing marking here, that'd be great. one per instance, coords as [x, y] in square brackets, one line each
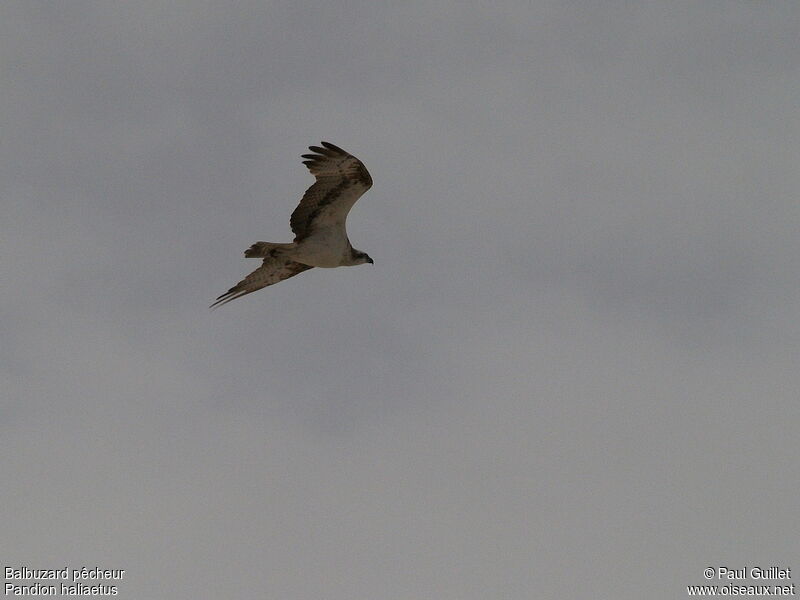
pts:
[341, 180]
[271, 271]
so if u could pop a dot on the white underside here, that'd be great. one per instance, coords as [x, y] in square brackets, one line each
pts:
[322, 251]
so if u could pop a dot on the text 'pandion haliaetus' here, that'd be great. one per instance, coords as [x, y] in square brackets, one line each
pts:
[318, 223]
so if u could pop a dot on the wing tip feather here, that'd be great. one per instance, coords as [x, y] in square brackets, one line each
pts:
[334, 147]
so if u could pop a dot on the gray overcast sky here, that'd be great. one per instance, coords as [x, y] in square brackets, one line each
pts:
[572, 371]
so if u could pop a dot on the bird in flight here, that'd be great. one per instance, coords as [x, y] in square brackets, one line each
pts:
[318, 223]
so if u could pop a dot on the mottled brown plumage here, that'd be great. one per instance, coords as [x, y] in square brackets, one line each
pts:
[341, 180]
[271, 271]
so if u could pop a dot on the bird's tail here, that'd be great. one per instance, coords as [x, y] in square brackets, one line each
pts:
[265, 249]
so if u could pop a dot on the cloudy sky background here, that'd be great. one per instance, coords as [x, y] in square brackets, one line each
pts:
[571, 372]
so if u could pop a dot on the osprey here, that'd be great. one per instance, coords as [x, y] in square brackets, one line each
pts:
[318, 223]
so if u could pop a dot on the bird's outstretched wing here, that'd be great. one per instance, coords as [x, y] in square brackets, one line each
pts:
[271, 271]
[341, 180]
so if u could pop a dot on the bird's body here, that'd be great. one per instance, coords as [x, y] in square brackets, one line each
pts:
[327, 249]
[318, 223]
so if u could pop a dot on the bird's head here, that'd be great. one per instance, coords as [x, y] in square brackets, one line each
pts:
[359, 257]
